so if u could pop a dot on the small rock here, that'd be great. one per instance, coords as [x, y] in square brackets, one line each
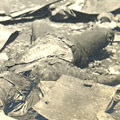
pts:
[108, 25]
[115, 69]
[114, 51]
[117, 38]
[3, 56]
[104, 116]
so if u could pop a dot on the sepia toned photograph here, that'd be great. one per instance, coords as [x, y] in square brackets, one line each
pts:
[59, 59]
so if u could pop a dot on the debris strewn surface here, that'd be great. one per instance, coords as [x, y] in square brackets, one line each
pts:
[82, 46]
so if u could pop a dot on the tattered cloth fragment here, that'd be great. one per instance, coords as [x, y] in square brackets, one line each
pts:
[48, 46]
[17, 94]
[73, 99]
[7, 35]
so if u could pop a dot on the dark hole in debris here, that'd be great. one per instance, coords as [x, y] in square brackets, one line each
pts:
[117, 29]
[27, 73]
[105, 19]
[46, 102]
[111, 110]
[80, 17]
[40, 117]
[103, 54]
[118, 91]
[87, 85]
[117, 11]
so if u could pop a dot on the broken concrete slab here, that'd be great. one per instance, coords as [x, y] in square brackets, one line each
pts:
[98, 6]
[89, 6]
[8, 11]
[71, 98]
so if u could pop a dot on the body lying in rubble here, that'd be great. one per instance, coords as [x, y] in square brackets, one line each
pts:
[47, 59]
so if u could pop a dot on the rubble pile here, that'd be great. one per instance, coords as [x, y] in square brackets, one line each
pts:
[59, 60]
